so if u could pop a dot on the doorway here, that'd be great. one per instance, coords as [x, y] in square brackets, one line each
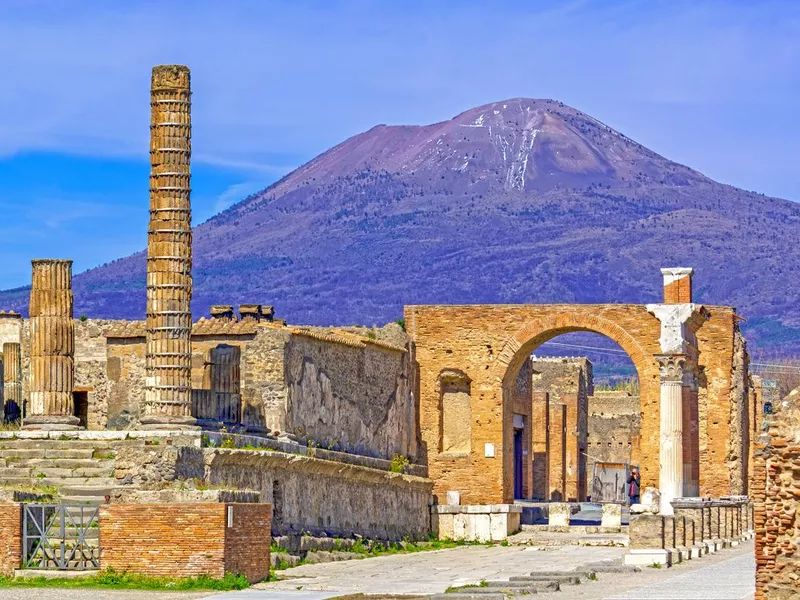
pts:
[518, 458]
[81, 403]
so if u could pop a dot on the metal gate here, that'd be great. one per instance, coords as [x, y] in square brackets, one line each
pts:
[61, 536]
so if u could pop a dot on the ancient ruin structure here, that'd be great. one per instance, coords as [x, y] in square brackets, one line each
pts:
[12, 380]
[683, 353]
[407, 426]
[52, 338]
[169, 252]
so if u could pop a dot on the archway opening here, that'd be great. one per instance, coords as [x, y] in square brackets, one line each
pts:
[573, 416]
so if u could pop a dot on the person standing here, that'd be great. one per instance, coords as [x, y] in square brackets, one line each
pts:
[634, 486]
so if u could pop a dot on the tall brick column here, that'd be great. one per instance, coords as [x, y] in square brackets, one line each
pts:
[52, 368]
[12, 380]
[167, 400]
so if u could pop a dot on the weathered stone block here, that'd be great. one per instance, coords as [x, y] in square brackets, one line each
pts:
[612, 515]
[559, 514]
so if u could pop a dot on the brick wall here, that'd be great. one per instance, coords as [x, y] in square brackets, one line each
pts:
[247, 542]
[10, 537]
[186, 539]
[540, 419]
[558, 446]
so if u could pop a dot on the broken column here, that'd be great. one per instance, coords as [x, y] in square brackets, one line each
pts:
[679, 319]
[52, 369]
[12, 380]
[167, 400]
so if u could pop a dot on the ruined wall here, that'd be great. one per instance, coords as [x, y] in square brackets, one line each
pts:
[354, 398]
[614, 428]
[487, 342]
[325, 497]
[776, 492]
[739, 448]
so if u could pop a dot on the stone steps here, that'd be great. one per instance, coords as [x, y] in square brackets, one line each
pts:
[57, 463]
[42, 453]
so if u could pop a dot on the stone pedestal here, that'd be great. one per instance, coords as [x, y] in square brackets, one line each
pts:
[52, 367]
[558, 514]
[475, 523]
[12, 380]
[612, 516]
[168, 383]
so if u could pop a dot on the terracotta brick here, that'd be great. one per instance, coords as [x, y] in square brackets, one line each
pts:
[186, 539]
[10, 537]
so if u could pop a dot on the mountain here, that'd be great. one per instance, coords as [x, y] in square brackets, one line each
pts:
[516, 201]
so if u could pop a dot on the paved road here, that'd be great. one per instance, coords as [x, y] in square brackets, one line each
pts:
[727, 575]
[433, 572]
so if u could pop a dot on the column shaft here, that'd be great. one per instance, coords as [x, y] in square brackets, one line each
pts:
[168, 359]
[671, 438]
[12, 380]
[52, 370]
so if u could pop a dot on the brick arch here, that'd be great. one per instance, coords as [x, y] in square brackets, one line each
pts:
[538, 331]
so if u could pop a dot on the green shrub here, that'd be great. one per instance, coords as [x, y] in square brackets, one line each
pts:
[399, 463]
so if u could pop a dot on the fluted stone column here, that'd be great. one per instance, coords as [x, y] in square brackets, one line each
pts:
[671, 438]
[12, 380]
[167, 402]
[52, 368]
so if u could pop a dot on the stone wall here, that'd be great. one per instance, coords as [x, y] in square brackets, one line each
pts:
[327, 498]
[776, 490]
[329, 388]
[350, 398]
[488, 343]
[614, 428]
[10, 537]
[186, 539]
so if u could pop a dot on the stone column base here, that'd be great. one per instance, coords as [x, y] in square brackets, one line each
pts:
[155, 422]
[52, 423]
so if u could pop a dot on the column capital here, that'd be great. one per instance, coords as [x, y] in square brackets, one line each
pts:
[672, 367]
[679, 322]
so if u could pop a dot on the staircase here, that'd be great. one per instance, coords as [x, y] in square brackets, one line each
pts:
[77, 470]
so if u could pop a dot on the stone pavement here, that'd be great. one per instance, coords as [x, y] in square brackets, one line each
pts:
[431, 572]
[727, 575]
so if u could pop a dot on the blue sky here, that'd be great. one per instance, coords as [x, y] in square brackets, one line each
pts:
[713, 85]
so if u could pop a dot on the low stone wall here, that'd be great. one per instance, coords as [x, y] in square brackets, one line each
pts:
[699, 526]
[186, 539]
[326, 498]
[10, 537]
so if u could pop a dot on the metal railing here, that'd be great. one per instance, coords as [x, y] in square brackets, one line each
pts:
[61, 536]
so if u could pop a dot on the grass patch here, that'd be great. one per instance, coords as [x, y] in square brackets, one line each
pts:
[103, 454]
[130, 581]
[368, 549]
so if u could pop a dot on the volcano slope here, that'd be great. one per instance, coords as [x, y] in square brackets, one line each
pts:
[517, 201]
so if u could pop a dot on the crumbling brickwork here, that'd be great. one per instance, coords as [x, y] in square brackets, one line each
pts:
[776, 492]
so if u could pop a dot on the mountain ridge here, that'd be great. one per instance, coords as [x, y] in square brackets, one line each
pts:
[521, 200]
